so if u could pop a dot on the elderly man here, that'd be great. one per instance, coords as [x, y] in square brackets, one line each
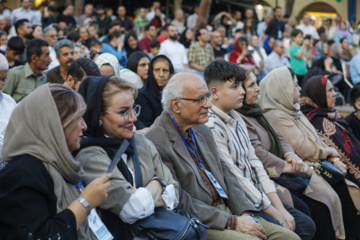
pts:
[22, 80]
[276, 58]
[236, 150]
[262, 26]
[307, 28]
[88, 17]
[65, 55]
[208, 189]
[7, 104]
[50, 35]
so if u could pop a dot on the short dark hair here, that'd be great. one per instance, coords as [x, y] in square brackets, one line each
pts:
[114, 34]
[342, 39]
[198, 33]
[296, 32]
[166, 27]
[17, 44]
[355, 95]
[147, 27]
[222, 71]
[330, 42]
[155, 44]
[35, 47]
[114, 23]
[328, 20]
[95, 42]
[277, 7]
[73, 36]
[81, 68]
[20, 23]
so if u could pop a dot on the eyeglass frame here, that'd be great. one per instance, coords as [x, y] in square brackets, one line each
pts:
[126, 114]
[209, 95]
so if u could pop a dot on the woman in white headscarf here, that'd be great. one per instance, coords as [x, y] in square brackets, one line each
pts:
[41, 186]
[279, 100]
[108, 64]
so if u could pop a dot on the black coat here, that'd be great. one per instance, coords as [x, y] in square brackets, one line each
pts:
[273, 28]
[28, 203]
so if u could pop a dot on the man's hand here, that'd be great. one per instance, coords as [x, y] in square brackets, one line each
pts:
[247, 225]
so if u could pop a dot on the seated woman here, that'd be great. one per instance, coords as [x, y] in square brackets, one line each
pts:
[317, 103]
[41, 185]
[241, 54]
[278, 157]
[279, 100]
[138, 62]
[140, 182]
[131, 43]
[108, 64]
[160, 70]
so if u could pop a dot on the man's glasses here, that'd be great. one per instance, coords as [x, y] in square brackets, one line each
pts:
[127, 114]
[202, 98]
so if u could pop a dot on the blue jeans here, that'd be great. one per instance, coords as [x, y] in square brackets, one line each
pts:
[304, 225]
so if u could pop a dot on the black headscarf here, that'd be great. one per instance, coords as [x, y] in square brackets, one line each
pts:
[149, 97]
[128, 49]
[183, 39]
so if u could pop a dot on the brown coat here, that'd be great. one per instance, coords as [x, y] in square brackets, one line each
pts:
[195, 197]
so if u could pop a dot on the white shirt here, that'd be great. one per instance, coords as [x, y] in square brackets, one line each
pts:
[274, 61]
[7, 106]
[54, 61]
[261, 28]
[176, 52]
[308, 30]
[256, 56]
[191, 21]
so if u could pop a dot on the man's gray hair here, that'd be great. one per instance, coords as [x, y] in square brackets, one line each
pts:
[63, 43]
[276, 43]
[3, 63]
[173, 89]
[47, 29]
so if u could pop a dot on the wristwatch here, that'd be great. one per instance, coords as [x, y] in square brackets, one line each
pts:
[85, 204]
[161, 182]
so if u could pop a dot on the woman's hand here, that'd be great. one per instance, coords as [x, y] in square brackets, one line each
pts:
[289, 221]
[96, 192]
[339, 164]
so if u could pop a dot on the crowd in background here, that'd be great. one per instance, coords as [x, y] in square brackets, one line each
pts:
[155, 65]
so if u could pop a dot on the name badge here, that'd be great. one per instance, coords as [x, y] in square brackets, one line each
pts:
[216, 184]
[98, 227]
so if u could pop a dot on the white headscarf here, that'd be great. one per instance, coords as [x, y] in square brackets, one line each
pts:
[109, 59]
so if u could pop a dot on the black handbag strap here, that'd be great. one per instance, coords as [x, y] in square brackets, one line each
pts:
[136, 162]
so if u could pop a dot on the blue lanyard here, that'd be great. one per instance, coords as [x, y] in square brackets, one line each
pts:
[186, 143]
[82, 182]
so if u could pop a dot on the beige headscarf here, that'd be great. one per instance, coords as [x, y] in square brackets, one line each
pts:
[35, 129]
[110, 59]
[277, 93]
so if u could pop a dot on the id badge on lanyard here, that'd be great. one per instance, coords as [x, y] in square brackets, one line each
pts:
[216, 184]
[98, 227]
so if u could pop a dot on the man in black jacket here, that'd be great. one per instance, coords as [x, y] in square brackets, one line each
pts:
[276, 26]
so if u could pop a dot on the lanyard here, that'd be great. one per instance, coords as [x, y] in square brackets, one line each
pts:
[81, 183]
[186, 143]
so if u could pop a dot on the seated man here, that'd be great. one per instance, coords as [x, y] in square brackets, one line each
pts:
[208, 189]
[80, 69]
[224, 80]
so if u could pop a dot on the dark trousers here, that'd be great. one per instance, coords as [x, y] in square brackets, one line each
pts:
[304, 225]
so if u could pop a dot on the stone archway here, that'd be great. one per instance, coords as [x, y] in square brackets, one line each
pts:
[318, 7]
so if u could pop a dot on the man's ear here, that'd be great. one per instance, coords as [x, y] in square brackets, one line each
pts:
[34, 58]
[215, 91]
[69, 81]
[175, 105]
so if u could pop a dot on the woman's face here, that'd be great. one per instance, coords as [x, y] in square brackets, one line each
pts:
[3, 40]
[252, 90]
[345, 43]
[243, 45]
[61, 35]
[113, 121]
[254, 41]
[143, 68]
[342, 26]
[132, 42]
[38, 33]
[188, 34]
[297, 90]
[161, 70]
[271, 42]
[325, 48]
[92, 32]
[330, 95]
[76, 135]
[107, 70]
[248, 23]
[340, 51]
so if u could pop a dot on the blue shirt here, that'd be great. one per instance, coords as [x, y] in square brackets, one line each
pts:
[120, 55]
[19, 13]
[355, 69]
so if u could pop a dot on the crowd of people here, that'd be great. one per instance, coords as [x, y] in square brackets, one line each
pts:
[230, 122]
